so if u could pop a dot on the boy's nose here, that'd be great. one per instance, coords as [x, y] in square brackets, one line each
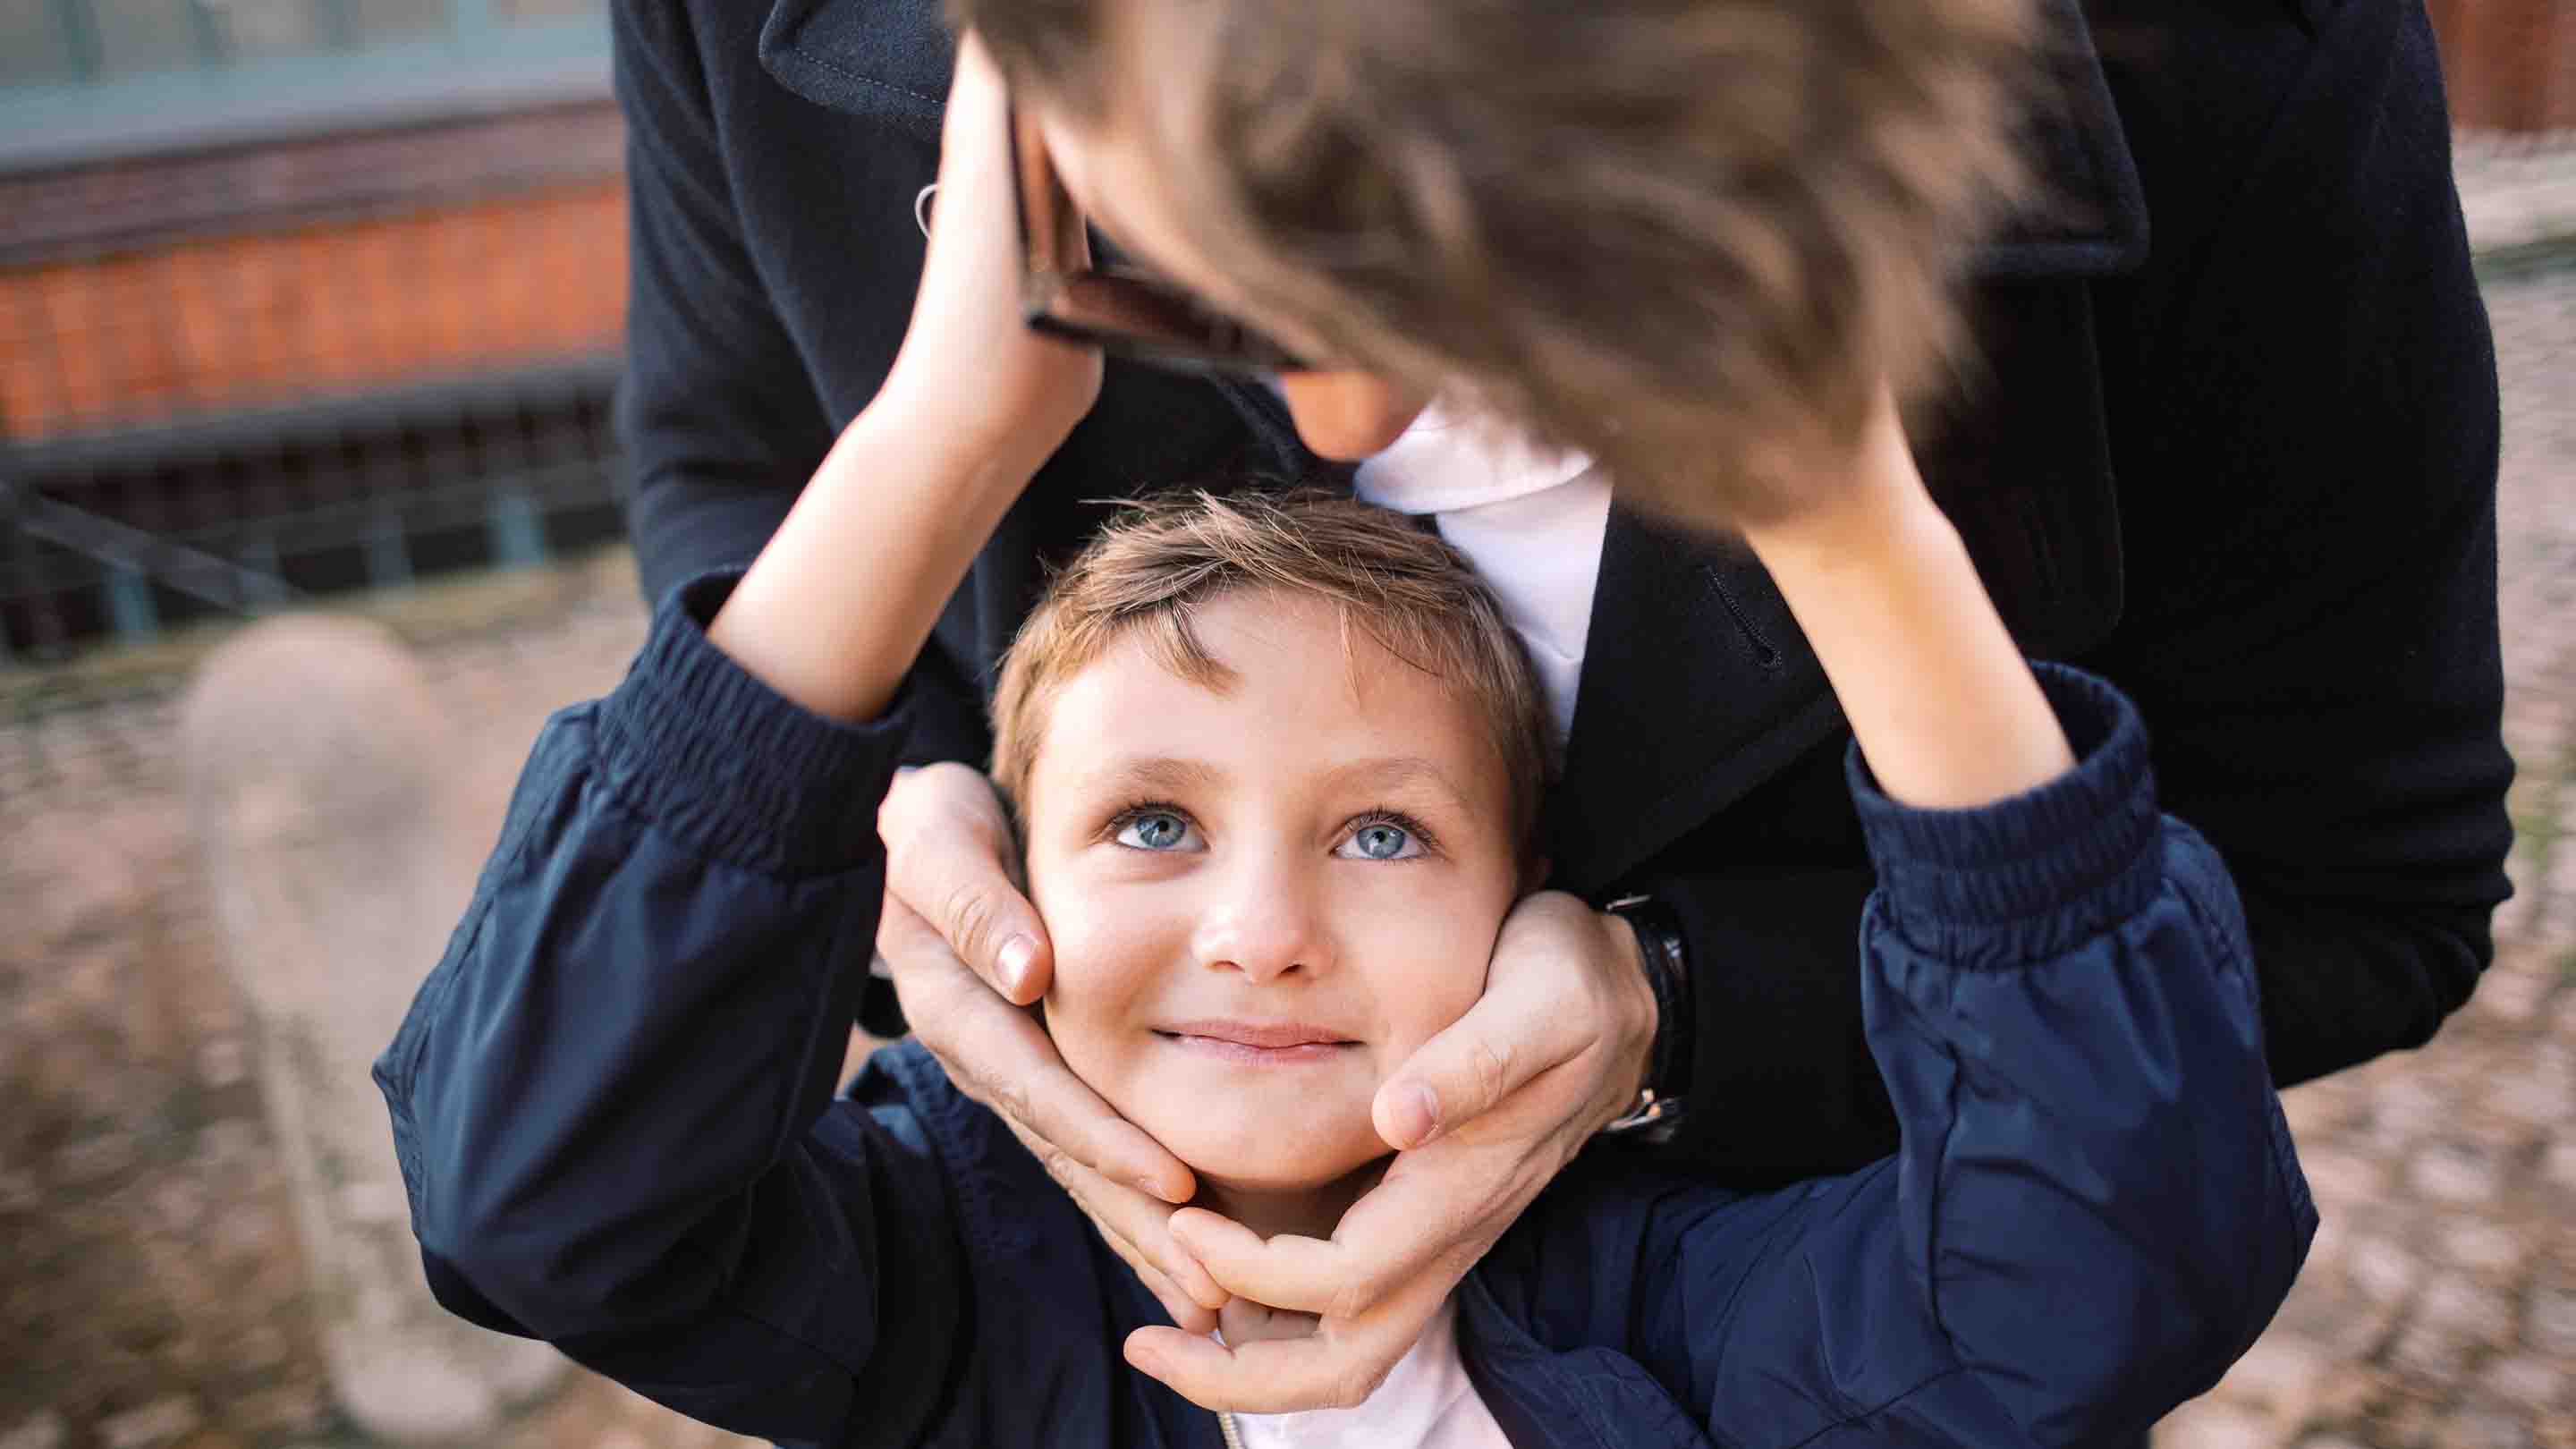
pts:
[1266, 924]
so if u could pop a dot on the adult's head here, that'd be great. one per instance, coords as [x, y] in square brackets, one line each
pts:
[1687, 236]
[1277, 769]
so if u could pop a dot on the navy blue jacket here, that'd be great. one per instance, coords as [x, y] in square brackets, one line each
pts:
[613, 1106]
[2230, 444]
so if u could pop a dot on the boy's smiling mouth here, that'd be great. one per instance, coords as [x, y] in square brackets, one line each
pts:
[1258, 1043]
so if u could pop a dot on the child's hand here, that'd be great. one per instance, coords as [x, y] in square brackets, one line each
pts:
[1837, 490]
[970, 364]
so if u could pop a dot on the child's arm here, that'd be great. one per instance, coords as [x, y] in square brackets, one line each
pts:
[1938, 696]
[610, 1098]
[2096, 1206]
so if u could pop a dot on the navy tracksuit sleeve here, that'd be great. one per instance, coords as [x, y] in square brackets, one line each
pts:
[2096, 1207]
[609, 1099]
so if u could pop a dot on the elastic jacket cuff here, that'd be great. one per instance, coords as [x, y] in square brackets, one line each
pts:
[2033, 874]
[695, 743]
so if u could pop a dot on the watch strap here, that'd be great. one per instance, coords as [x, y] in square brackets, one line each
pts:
[1666, 963]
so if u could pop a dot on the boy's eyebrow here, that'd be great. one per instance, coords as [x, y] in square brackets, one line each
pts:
[1395, 771]
[1173, 775]
[1157, 772]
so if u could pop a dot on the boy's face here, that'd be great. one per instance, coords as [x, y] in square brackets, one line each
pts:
[1262, 901]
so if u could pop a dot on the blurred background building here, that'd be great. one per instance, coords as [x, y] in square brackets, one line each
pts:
[305, 296]
[2510, 64]
[296, 297]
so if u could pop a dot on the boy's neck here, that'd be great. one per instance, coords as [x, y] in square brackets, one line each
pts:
[1311, 1212]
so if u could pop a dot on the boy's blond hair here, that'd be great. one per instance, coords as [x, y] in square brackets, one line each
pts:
[1390, 580]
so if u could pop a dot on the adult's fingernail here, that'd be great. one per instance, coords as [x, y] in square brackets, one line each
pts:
[1013, 963]
[1417, 1114]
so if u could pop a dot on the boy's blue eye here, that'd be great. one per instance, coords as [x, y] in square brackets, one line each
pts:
[1154, 830]
[1379, 840]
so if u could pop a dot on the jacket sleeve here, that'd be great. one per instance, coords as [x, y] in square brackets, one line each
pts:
[2300, 392]
[718, 411]
[609, 1099]
[2096, 1207]
[2303, 416]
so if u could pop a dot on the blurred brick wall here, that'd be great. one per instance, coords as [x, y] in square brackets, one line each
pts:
[2510, 65]
[137, 292]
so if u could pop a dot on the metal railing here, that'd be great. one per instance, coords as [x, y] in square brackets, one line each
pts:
[119, 538]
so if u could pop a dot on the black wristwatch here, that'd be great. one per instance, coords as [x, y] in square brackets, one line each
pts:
[1656, 1116]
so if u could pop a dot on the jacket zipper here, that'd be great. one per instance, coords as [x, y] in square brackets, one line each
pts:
[1225, 1428]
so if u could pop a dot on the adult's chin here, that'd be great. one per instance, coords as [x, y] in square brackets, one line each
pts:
[1348, 416]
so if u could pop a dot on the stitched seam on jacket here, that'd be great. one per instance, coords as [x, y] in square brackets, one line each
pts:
[2293, 1188]
[1932, 1210]
[845, 73]
[1900, 1396]
[508, 855]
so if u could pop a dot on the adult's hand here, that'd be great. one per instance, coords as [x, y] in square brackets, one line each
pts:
[1487, 1113]
[967, 953]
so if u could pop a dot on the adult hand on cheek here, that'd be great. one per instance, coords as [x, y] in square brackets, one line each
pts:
[967, 954]
[1485, 1114]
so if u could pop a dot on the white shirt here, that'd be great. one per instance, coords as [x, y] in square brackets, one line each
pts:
[1529, 519]
[1427, 1402]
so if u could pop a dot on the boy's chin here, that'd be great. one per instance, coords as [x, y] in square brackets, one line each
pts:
[1304, 1161]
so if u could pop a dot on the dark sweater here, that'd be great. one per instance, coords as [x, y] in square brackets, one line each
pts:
[2234, 449]
[612, 1105]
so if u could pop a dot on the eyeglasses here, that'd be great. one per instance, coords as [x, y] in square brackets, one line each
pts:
[1122, 310]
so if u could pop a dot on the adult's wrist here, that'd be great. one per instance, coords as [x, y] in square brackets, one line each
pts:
[1782, 1082]
[1654, 934]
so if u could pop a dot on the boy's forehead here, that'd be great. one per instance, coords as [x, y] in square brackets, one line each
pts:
[1117, 770]
[1293, 682]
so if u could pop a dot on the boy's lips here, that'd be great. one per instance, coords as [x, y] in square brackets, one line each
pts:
[1277, 1043]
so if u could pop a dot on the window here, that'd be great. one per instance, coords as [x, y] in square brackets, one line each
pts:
[87, 79]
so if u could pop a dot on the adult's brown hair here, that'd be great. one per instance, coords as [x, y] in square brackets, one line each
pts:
[1686, 236]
